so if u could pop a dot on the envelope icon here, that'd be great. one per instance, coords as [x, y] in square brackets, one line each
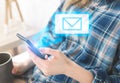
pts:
[72, 23]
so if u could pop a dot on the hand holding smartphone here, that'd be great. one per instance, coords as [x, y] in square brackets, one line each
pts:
[31, 46]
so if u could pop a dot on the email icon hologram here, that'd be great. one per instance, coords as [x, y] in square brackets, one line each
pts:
[72, 23]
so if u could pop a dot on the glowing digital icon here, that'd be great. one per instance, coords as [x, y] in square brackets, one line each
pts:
[71, 23]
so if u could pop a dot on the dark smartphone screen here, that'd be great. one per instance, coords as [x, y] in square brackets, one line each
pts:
[31, 46]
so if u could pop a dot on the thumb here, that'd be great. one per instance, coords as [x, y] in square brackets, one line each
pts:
[14, 71]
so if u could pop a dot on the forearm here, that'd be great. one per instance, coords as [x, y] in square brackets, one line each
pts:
[78, 73]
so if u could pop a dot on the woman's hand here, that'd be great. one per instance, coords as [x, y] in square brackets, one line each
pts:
[57, 63]
[21, 63]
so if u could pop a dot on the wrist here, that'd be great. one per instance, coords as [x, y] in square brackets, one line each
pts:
[69, 68]
[78, 73]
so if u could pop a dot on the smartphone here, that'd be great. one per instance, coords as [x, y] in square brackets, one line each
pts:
[31, 46]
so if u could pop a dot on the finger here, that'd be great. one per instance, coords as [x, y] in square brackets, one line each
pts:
[14, 71]
[46, 57]
[48, 51]
[51, 57]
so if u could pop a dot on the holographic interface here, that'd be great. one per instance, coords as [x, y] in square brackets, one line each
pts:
[71, 23]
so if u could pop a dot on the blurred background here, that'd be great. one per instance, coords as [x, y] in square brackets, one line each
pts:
[35, 15]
